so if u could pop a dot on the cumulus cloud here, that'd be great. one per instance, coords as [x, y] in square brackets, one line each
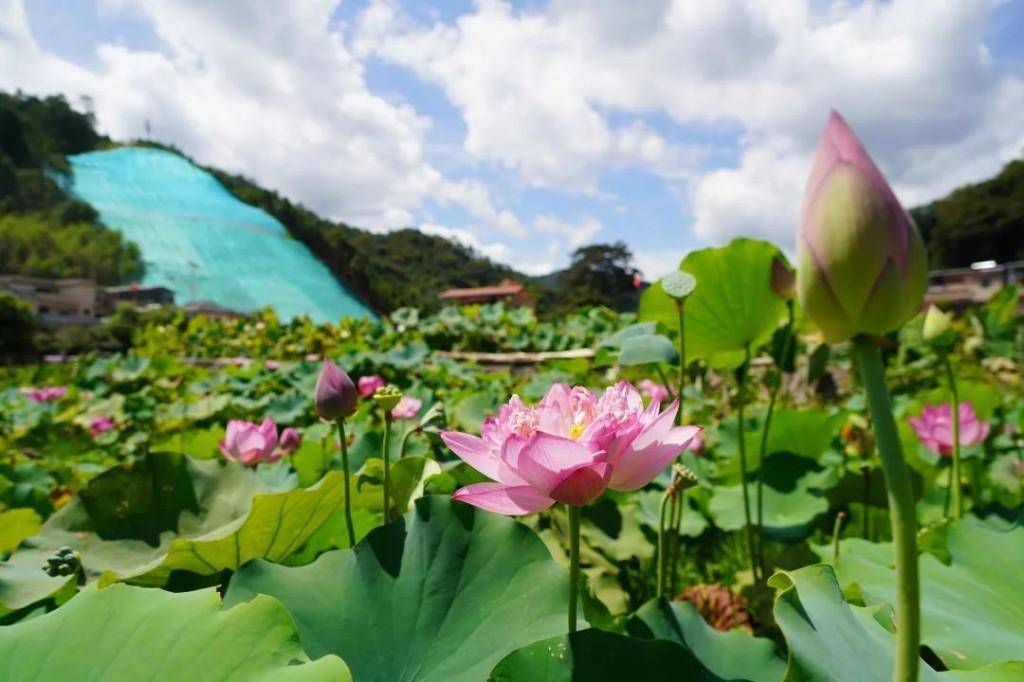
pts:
[544, 91]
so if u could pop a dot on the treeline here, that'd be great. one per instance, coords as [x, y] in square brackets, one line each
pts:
[44, 231]
[388, 270]
[984, 221]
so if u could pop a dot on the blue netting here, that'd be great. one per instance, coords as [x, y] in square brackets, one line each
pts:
[199, 240]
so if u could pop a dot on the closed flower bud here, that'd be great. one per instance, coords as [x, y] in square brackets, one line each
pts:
[937, 331]
[336, 395]
[783, 282]
[861, 262]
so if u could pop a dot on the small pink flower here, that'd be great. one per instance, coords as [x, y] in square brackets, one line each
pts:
[290, 440]
[272, 365]
[312, 357]
[653, 391]
[98, 425]
[368, 385]
[568, 449]
[697, 444]
[251, 443]
[407, 408]
[935, 427]
[48, 394]
[238, 361]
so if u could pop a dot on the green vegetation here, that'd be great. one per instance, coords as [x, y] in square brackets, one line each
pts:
[43, 231]
[976, 222]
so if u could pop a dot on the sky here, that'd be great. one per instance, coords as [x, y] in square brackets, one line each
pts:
[526, 129]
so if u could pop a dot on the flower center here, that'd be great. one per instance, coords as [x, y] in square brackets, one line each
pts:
[576, 430]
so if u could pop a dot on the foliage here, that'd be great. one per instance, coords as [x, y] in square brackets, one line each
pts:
[599, 275]
[17, 327]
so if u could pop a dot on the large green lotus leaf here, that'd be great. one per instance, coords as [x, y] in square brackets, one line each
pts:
[124, 634]
[15, 526]
[207, 518]
[733, 305]
[646, 350]
[972, 610]
[828, 639]
[731, 655]
[658, 307]
[599, 656]
[632, 331]
[793, 499]
[441, 594]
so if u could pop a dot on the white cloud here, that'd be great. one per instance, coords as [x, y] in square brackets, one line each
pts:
[275, 95]
[476, 198]
[576, 234]
[653, 265]
[538, 89]
[493, 250]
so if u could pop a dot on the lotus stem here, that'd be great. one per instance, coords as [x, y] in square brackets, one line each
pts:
[348, 498]
[574, 563]
[957, 492]
[865, 470]
[405, 440]
[901, 510]
[387, 466]
[673, 559]
[835, 536]
[742, 382]
[681, 414]
[662, 544]
[664, 381]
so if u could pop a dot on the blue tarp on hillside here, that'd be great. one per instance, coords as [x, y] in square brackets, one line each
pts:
[199, 240]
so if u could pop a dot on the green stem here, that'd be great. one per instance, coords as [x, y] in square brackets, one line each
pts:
[866, 473]
[348, 498]
[673, 558]
[958, 500]
[901, 511]
[743, 463]
[664, 381]
[574, 563]
[387, 466]
[835, 536]
[662, 545]
[682, 363]
[760, 474]
[405, 440]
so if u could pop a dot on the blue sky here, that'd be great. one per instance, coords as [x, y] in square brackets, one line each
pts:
[526, 129]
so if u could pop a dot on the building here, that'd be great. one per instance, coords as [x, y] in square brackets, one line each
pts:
[137, 294]
[508, 291]
[56, 302]
[961, 287]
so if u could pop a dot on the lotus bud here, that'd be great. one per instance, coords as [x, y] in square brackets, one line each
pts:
[860, 261]
[336, 395]
[783, 282]
[938, 331]
[387, 397]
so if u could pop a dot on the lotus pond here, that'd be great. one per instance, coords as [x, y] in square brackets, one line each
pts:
[713, 495]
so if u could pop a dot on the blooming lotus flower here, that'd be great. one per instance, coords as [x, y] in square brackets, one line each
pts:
[48, 394]
[860, 261]
[101, 424]
[272, 365]
[312, 357]
[935, 427]
[290, 440]
[568, 449]
[336, 395]
[369, 385]
[251, 443]
[407, 408]
[653, 391]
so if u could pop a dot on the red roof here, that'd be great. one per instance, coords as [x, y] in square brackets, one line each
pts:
[505, 288]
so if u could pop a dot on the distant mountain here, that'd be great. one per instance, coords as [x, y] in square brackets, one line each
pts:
[983, 221]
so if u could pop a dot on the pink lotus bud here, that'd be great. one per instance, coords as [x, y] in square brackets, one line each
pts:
[369, 385]
[861, 262]
[98, 425]
[336, 396]
[653, 391]
[290, 440]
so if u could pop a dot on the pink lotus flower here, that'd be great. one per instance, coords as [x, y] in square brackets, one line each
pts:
[568, 449]
[697, 444]
[48, 394]
[98, 425]
[935, 427]
[290, 440]
[407, 408]
[653, 391]
[312, 357]
[369, 385]
[251, 443]
[272, 365]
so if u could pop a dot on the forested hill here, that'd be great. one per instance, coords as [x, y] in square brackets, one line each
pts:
[984, 221]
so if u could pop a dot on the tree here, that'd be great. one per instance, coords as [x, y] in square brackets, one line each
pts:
[17, 327]
[600, 274]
